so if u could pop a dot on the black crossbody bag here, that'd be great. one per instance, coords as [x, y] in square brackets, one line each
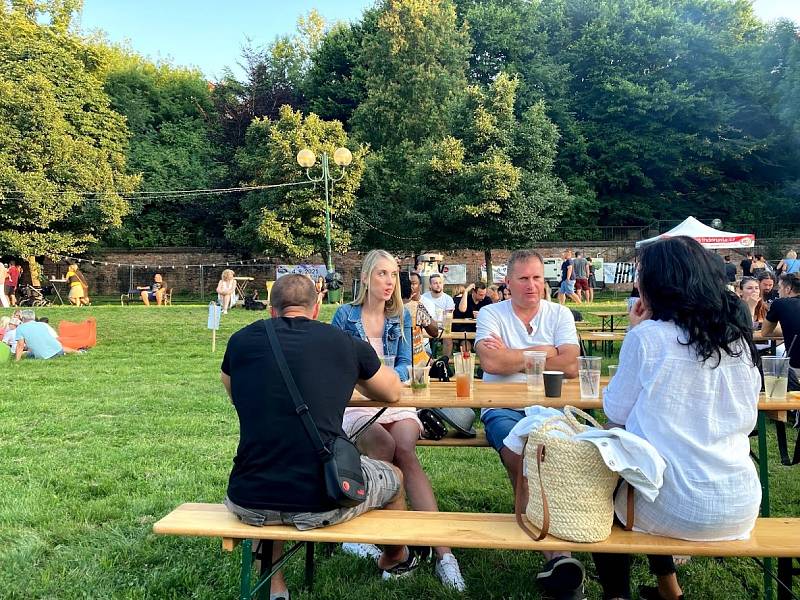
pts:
[341, 460]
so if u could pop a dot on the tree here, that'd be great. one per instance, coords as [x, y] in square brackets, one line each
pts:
[62, 160]
[414, 64]
[174, 146]
[291, 220]
[493, 185]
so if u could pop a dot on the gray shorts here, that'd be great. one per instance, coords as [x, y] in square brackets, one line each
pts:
[383, 485]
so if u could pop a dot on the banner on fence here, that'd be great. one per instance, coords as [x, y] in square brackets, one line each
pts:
[620, 272]
[455, 274]
[312, 271]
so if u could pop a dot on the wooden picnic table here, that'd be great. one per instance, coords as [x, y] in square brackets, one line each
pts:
[465, 321]
[516, 395]
[607, 317]
[606, 338]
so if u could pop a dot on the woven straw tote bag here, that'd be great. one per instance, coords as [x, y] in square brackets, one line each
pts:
[569, 488]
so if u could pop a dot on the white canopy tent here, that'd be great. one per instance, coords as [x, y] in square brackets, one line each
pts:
[707, 236]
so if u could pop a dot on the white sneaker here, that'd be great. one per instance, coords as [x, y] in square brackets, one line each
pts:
[448, 571]
[369, 551]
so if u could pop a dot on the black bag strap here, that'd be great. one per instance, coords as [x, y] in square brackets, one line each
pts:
[301, 408]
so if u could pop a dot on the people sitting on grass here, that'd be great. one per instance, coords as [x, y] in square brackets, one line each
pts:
[377, 316]
[276, 476]
[10, 335]
[78, 286]
[226, 288]
[154, 292]
[504, 331]
[690, 339]
[35, 340]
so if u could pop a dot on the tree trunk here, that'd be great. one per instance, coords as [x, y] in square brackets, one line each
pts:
[33, 269]
[487, 257]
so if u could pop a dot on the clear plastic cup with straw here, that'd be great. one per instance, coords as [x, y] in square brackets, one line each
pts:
[776, 376]
[589, 376]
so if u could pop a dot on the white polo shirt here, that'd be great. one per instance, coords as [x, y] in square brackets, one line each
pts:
[553, 325]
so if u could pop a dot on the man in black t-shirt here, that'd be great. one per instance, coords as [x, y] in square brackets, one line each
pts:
[730, 270]
[277, 477]
[747, 264]
[467, 304]
[785, 312]
[766, 285]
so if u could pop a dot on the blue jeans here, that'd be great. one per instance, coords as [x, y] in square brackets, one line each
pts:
[567, 287]
[498, 422]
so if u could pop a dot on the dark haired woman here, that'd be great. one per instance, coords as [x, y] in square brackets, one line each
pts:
[784, 317]
[688, 359]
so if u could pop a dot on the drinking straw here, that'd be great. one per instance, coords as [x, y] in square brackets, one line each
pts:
[778, 378]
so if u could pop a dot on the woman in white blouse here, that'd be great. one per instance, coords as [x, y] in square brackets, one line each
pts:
[688, 383]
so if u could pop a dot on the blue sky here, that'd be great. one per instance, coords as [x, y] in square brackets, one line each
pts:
[210, 34]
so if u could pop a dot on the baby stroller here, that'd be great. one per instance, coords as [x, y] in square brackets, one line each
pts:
[35, 296]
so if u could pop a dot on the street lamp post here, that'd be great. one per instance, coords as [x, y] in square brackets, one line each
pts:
[306, 159]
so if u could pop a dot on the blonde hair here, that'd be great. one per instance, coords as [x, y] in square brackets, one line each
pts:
[394, 306]
[791, 254]
[4, 321]
[226, 271]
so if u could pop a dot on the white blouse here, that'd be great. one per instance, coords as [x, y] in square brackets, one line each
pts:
[698, 416]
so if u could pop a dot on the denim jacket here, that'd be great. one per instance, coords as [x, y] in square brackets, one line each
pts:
[395, 342]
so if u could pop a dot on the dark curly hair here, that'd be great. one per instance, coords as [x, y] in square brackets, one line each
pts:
[684, 283]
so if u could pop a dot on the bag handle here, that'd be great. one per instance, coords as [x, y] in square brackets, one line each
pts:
[630, 509]
[520, 497]
[572, 412]
[301, 408]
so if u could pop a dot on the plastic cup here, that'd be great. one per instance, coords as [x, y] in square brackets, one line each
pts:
[534, 369]
[419, 377]
[776, 376]
[448, 321]
[388, 360]
[589, 376]
[612, 370]
[552, 383]
[465, 370]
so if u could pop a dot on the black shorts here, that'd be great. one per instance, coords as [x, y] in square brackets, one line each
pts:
[10, 289]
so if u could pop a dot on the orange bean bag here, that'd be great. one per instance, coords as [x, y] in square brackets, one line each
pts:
[78, 335]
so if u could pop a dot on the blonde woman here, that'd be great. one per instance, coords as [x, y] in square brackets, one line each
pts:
[790, 264]
[78, 286]
[377, 316]
[225, 290]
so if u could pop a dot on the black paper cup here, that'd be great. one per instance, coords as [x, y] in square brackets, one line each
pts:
[552, 383]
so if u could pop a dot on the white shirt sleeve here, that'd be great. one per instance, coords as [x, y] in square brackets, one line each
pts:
[488, 322]
[565, 332]
[623, 391]
[449, 304]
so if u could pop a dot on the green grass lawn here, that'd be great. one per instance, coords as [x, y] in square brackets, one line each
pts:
[95, 448]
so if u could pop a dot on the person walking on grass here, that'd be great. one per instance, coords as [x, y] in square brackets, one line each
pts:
[277, 477]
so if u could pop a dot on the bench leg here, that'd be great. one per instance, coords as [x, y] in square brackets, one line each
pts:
[309, 565]
[763, 475]
[785, 572]
[247, 565]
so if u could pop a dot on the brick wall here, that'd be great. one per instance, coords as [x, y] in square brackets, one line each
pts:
[107, 278]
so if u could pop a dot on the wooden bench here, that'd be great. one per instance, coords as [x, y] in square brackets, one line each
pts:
[479, 441]
[772, 537]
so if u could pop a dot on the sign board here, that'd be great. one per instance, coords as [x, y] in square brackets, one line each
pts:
[621, 272]
[498, 273]
[312, 271]
[455, 274]
[214, 315]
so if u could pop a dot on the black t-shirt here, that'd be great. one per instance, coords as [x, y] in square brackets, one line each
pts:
[564, 268]
[786, 311]
[730, 272]
[471, 307]
[746, 264]
[770, 296]
[276, 466]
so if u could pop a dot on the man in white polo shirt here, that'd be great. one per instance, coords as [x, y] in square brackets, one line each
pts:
[504, 331]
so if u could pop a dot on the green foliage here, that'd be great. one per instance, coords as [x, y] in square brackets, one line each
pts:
[62, 157]
[291, 220]
[174, 133]
[414, 63]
